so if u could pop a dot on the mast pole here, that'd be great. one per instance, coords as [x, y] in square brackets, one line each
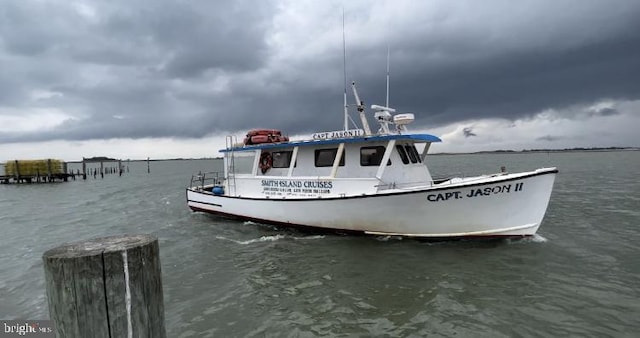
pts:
[387, 103]
[344, 69]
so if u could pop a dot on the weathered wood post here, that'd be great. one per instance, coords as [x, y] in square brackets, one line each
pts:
[106, 287]
[49, 174]
[84, 169]
[65, 173]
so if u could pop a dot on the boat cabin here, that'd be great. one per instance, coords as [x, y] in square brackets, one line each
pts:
[326, 166]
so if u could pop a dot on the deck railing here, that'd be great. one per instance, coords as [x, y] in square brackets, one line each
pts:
[201, 180]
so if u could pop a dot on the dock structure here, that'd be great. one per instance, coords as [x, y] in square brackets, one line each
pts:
[50, 170]
[35, 171]
[102, 171]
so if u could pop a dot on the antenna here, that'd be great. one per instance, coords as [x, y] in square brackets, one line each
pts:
[387, 105]
[344, 68]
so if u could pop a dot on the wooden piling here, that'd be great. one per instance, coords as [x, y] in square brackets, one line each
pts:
[106, 287]
[17, 171]
[49, 174]
[68, 174]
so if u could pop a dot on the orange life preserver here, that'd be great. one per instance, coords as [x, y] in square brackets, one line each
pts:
[266, 161]
[259, 136]
[255, 132]
[258, 139]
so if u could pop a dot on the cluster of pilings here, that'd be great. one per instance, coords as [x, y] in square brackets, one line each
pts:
[95, 172]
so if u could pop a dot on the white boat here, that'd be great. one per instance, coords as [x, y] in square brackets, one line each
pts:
[374, 183]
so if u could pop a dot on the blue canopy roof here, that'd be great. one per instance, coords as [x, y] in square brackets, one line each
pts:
[413, 137]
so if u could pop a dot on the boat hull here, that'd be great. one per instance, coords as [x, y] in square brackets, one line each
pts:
[512, 206]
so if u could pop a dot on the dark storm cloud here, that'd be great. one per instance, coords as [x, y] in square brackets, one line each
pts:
[510, 83]
[516, 85]
[123, 59]
[209, 35]
[188, 69]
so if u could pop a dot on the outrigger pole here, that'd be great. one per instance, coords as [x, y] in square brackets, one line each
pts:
[360, 105]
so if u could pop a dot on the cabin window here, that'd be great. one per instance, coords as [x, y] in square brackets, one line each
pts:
[282, 159]
[413, 153]
[325, 157]
[403, 154]
[242, 162]
[372, 156]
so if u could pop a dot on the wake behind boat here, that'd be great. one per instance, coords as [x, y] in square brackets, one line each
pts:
[375, 183]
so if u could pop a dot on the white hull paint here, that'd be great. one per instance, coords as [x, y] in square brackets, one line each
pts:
[506, 205]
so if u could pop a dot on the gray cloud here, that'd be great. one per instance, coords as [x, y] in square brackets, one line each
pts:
[606, 111]
[188, 69]
[549, 138]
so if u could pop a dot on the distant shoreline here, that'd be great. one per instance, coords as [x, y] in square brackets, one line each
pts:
[527, 151]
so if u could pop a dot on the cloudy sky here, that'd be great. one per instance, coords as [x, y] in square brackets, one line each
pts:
[160, 78]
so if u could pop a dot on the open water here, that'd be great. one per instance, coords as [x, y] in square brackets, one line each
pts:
[579, 277]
